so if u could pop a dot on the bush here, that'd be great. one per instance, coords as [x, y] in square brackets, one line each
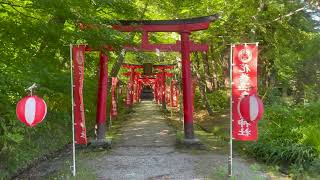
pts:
[289, 134]
[218, 100]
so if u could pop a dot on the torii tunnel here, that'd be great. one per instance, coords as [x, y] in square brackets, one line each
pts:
[186, 46]
[155, 80]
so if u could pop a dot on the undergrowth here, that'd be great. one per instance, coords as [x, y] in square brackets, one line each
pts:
[289, 137]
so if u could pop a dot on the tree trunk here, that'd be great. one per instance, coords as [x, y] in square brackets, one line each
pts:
[202, 86]
[207, 74]
[116, 67]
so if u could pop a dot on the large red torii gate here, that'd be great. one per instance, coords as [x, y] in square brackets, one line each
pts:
[182, 26]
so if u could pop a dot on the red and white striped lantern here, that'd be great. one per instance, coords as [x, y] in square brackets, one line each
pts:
[250, 108]
[31, 110]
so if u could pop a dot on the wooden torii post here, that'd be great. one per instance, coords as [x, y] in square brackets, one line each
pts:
[184, 27]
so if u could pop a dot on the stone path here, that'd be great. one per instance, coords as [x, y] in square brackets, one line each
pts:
[146, 150]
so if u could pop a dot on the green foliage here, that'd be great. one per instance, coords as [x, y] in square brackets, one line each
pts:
[289, 135]
[218, 100]
[34, 39]
[34, 45]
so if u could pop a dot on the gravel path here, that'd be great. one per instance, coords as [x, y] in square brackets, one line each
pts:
[146, 150]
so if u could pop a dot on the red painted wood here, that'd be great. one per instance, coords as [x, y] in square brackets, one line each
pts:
[163, 74]
[163, 28]
[132, 76]
[187, 85]
[101, 116]
[166, 47]
[163, 67]
[129, 73]
[171, 93]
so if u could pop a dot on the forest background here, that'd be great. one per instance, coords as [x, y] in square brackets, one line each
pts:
[34, 48]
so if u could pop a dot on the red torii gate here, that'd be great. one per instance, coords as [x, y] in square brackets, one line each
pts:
[185, 46]
[147, 80]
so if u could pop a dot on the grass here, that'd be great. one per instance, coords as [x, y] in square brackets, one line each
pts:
[82, 173]
[213, 132]
[85, 171]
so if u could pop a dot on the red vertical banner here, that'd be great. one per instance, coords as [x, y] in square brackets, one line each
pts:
[113, 110]
[168, 95]
[159, 89]
[134, 90]
[174, 93]
[128, 98]
[155, 91]
[171, 93]
[244, 76]
[194, 85]
[78, 77]
[139, 91]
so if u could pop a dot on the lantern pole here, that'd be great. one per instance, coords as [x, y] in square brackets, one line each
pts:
[72, 117]
[34, 85]
[231, 120]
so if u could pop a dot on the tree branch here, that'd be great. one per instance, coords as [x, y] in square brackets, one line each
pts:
[11, 4]
[287, 15]
[23, 13]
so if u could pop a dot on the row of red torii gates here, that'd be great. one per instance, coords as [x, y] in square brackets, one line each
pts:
[186, 46]
[156, 81]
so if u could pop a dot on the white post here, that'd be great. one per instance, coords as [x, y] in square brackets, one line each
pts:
[72, 117]
[231, 119]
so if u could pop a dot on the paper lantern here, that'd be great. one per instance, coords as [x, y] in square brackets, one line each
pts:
[250, 108]
[31, 110]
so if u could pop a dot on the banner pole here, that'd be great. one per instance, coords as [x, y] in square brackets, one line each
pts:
[231, 119]
[72, 117]
[110, 92]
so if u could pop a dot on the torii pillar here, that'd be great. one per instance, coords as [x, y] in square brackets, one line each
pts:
[187, 85]
[163, 87]
[131, 86]
[101, 117]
